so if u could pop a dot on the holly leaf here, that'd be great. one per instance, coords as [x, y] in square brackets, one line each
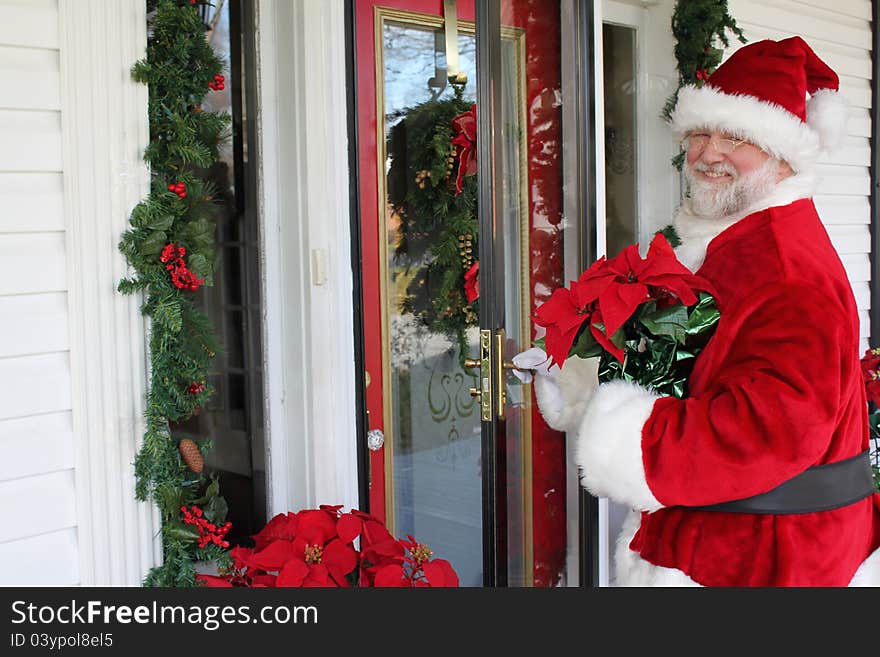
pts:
[181, 532]
[163, 223]
[153, 244]
[216, 509]
[198, 265]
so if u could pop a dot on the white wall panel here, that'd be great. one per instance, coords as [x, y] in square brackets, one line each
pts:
[29, 79]
[850, 239]
[34, 384]
[34, 445]
[33, 324]
[56, 563]
[31, 140]
[31, 202]
[36, 505]
[32, 262]
[29, 23]
[843, 209]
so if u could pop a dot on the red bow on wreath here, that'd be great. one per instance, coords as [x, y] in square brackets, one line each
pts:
[465, 142]
[472, 282]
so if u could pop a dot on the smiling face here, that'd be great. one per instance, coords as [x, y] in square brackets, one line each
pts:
[726, 175]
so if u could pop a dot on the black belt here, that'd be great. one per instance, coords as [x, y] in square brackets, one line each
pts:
[820, 488]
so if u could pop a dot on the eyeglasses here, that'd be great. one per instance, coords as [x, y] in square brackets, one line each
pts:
[700, 140]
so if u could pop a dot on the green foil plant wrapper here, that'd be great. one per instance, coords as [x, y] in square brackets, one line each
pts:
[659, 345]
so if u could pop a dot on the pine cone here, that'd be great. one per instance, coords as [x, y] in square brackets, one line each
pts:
[191, 455]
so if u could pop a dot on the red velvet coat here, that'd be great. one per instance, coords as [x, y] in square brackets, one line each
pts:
[777, 389]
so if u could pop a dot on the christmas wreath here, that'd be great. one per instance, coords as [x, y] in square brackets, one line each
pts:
[432, 192]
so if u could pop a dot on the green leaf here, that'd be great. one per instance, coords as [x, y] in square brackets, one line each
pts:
[199, 266]
[216, 510]
[153, 244]
[163, 223]
[585, 344]
[672, 321]
[180, 531]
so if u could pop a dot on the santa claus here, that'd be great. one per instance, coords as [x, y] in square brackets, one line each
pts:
[760, 477]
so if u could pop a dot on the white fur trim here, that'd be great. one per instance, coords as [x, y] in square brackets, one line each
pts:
[695, 232]
[766, 124]
[827, 115]
[631, 570]
[608, 445]
[563, 394]
[868, 573]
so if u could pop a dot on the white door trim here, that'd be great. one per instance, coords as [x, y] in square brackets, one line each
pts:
[105, 129]
[308, 332]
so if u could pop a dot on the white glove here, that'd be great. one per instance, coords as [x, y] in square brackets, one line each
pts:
[562, 394]
[532, 360]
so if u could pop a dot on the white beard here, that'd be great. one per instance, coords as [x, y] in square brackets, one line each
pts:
[716, 200]
[697, 230]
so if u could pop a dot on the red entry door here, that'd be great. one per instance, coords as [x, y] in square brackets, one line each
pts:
[437, 393]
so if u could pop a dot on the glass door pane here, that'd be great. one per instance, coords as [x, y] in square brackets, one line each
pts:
[430, 239]
[534, 242]
[619, 63]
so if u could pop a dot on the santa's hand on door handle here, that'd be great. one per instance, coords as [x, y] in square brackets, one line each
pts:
[562, 394]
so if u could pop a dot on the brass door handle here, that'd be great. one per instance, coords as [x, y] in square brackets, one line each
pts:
[499, 367]
[470, 363]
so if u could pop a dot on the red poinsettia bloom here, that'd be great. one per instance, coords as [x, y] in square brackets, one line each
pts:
[472, 282]
[465, 142]
[871, 374]
[315, 548]
[417, 569]
[214, 582]
[281, 527]
[608, 293]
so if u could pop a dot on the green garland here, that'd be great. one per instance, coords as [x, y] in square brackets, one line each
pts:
[180, 68]
[695, 25]
[437, 241]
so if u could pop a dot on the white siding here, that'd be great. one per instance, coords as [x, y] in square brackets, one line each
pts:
[38, 523]
[840, 33]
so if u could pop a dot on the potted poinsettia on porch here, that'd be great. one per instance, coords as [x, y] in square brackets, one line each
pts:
[327, 547]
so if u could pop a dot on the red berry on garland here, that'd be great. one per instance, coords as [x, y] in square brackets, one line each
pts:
[218, 78]
[172, 187]
[196, 388]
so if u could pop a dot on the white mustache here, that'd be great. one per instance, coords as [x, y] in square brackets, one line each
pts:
[720, 167]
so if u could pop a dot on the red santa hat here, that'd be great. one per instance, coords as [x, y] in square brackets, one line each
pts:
[760, 94]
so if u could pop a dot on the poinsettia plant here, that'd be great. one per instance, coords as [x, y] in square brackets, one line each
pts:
[645, 318]
[871, 375]
[326, 547]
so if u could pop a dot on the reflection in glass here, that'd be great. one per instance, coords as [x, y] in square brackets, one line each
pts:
[532, 138]
[619, 44]
[233, 417]
[432, 323]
